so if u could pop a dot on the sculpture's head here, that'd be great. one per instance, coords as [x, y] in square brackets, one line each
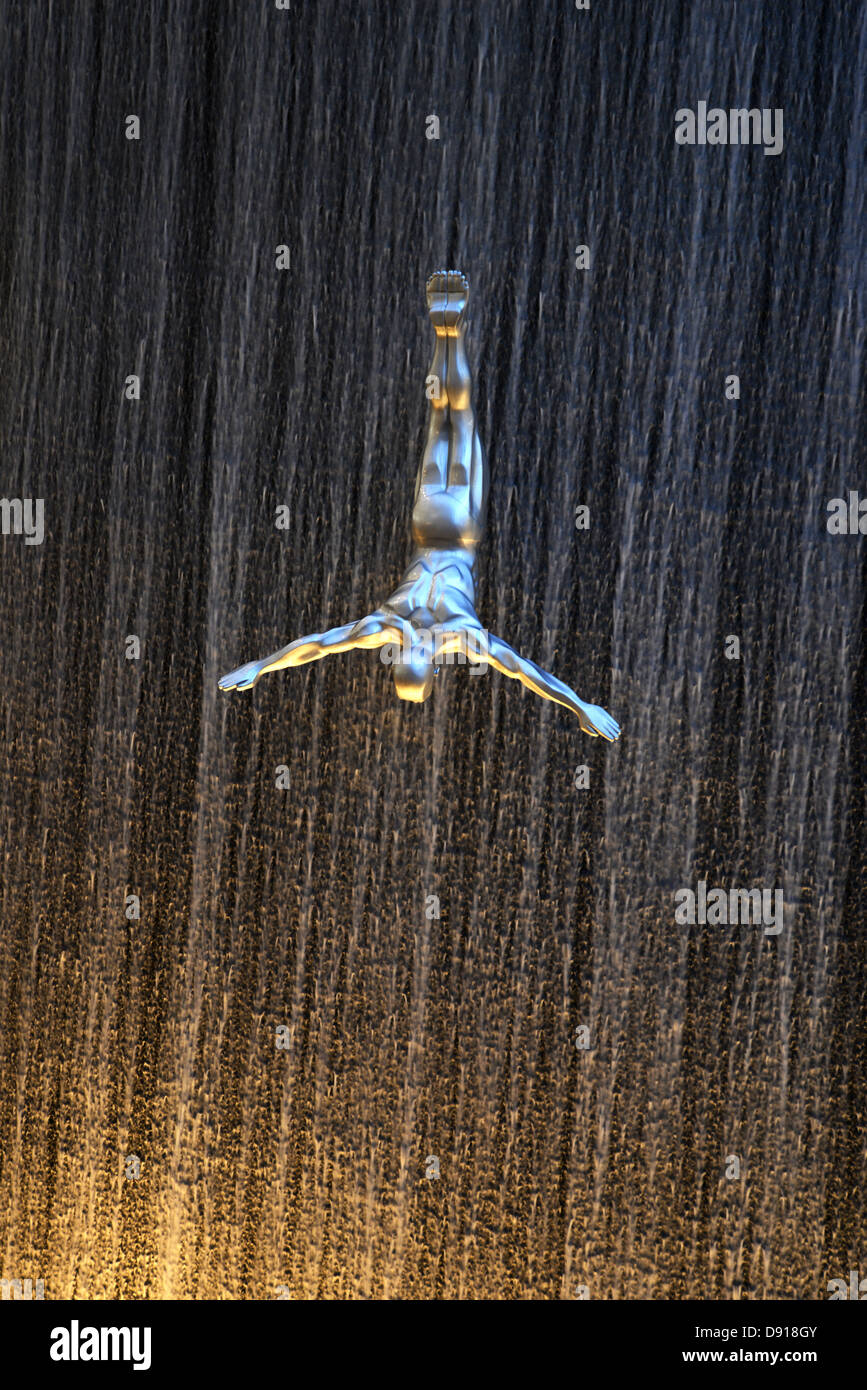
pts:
[414, 675]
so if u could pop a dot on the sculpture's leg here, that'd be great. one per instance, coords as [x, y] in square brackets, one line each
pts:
[453, 459]
[458, 386]
[434, 469]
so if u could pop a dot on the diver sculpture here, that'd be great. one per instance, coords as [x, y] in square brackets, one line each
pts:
[431, 614]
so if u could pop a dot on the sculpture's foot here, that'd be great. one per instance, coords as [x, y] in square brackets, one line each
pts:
[447, 295]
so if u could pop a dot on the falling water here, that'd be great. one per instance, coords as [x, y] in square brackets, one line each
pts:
[313, 907]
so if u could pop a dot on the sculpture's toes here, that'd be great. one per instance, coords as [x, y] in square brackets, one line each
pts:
[458, 292]
[436, 293]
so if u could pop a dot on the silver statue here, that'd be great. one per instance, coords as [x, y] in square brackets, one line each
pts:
[431, 615]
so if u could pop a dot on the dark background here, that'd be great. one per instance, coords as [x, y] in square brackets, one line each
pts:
[454, 1036]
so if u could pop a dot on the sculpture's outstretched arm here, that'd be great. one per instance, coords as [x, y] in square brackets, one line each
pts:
[373, 631]
[484, 646]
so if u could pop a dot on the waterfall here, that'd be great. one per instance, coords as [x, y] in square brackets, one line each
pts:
[275, 951]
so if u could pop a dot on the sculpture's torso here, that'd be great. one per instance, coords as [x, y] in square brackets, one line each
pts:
[437, 586]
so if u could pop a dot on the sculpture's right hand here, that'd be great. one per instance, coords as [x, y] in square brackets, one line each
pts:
[595, 720]
[244, 678]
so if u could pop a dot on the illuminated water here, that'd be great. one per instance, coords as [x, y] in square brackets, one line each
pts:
[410, 1036]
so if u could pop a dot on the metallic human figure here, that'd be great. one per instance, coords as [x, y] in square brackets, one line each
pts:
[431, 613]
